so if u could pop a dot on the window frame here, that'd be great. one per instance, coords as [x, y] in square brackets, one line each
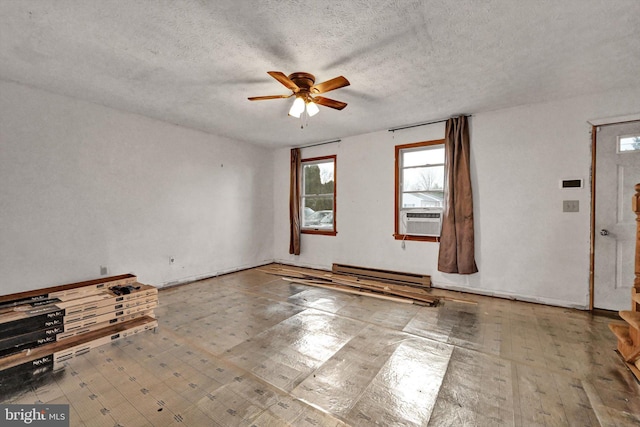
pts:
[321, 159]
[398, 192]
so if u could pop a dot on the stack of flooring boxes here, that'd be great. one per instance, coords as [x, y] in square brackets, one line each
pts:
[41, 329]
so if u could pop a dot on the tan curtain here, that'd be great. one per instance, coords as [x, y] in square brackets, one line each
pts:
[456, 240]
[294, 203]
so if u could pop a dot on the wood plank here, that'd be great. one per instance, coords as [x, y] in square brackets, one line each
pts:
[302, 272]
[351, 281]
[350, 291]
[146, 311]
[631, 317]
[630, 353]
[80, 344]
[622, 332]
[338, 278]
[71, 288]
[635, 298]
[141, 305]
[305, 273]
[384, 285]
[34, 339]
[380, 274]
[417, 297]
[25, 311]
[26, 317]
[410, 289]
[72, 303]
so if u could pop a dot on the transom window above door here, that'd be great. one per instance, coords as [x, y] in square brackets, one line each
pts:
[628, 143]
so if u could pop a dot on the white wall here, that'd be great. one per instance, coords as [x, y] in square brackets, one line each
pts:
[84, 186]
[526, 247]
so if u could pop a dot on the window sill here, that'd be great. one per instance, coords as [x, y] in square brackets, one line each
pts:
[416, 238]
[318, 231]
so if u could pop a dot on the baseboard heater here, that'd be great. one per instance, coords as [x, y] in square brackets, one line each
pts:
[412, 279]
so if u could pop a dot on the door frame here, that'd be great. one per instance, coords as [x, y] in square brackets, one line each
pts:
[595, 124]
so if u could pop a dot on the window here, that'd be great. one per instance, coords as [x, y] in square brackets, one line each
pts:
[318, 198]
[419, 193]
[628, 143]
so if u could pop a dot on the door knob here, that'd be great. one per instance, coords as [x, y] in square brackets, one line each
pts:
[604, 232]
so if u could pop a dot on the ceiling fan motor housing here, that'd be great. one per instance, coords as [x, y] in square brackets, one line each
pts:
[303, 80]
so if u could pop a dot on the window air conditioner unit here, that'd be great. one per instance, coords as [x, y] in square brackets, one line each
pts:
[421, 222]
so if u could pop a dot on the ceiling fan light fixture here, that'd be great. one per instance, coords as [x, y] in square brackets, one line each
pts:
[312, 108]
[297, 108]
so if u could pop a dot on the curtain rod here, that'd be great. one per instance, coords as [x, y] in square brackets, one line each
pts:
[390, 130]
[423, 124]
[318, 143]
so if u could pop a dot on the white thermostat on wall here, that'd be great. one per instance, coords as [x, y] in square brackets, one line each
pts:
[571, 183]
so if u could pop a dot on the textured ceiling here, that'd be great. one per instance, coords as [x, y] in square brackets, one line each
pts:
[195, 62]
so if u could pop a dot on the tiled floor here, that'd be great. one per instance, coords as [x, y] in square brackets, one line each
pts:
[249, 349]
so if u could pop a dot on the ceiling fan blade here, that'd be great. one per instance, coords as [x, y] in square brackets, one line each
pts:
[335, 83]
[331, 103]
[262, 98]
[279, 76]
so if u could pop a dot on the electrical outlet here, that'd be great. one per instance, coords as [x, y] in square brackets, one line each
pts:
[570, 206]
[104, 270]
